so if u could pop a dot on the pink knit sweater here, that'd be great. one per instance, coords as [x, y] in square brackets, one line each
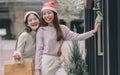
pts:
[46, 41]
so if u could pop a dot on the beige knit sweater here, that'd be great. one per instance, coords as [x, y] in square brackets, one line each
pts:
[26, 45]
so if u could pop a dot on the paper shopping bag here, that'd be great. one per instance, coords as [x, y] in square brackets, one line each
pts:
[18, 69]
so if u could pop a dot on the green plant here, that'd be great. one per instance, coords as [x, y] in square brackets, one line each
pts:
[75, 64]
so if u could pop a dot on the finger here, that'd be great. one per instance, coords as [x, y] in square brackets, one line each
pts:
[16, 56]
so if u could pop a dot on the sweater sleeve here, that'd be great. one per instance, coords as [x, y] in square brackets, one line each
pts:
[70, 35]
[39, 49]
[20, 47]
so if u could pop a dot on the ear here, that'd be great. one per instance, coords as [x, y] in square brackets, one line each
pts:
[88, 4]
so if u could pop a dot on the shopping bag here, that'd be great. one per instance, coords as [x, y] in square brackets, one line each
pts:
[18, 69]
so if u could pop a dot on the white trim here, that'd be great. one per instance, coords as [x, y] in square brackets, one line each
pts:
[30, 12]
[50, 8]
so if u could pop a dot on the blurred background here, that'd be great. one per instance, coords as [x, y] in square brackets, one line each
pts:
[11, 14]
[70, 12]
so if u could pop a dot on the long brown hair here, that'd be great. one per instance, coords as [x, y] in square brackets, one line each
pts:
[56, 23]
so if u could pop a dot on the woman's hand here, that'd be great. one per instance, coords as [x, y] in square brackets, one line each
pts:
[17, 55]
[97, 24]
[59, 53]
[37, 72]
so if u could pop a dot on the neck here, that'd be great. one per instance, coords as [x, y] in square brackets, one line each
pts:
[51, 24]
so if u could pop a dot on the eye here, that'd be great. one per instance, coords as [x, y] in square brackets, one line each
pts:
[44, 13]
[29, 20]
[35, 18]
[49, 12]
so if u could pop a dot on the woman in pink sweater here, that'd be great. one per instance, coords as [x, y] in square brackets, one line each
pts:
[49, 39]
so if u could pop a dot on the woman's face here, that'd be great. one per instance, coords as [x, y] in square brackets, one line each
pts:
[48, 16]
[33, 22]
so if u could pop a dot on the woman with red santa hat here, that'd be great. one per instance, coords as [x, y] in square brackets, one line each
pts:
[25, 46]
[49, 39]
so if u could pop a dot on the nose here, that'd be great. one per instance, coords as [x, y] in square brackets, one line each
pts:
[33, 21]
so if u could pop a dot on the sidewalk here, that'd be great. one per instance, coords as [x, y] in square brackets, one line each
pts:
[7, 48]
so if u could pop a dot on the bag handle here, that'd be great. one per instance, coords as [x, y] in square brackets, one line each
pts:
[19, 61]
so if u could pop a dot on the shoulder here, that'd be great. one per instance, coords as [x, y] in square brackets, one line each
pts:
[41, 28]
[40, 31]
[63, 27]
[24, 35]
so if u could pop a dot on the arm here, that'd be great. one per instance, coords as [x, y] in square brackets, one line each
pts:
[39, 51]
[20, 46]
[70, 35]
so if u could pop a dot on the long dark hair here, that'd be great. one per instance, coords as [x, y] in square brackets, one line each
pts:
[27, 28]
[56, 24]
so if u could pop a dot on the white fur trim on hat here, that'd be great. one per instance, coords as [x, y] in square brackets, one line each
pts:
[49, 8]
[30, 12]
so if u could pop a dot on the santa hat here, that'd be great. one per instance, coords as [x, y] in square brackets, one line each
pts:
[50, 6]
[30, 12]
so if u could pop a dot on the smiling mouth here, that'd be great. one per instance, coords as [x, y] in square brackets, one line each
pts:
[34, 25]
